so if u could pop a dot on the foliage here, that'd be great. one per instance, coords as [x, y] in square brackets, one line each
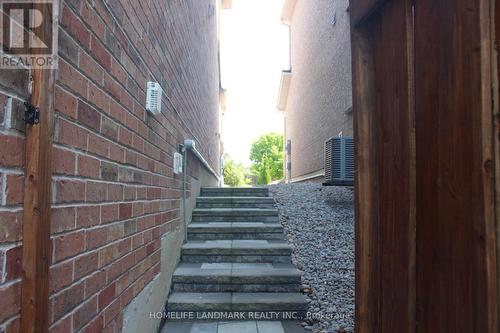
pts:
[266, 155]
[234, 173]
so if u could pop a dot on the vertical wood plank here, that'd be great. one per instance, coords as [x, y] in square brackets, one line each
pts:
[366, 200]
[37, 201]
[496, 130]
[455, 237]
[385, 180]
[393, 114]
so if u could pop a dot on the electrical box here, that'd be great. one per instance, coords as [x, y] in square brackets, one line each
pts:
[153, 97]
[177, 163]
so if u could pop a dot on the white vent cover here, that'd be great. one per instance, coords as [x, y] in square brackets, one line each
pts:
[177, 163]
[153, 98]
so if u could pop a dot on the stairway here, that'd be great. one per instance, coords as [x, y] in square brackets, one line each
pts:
[236, 259]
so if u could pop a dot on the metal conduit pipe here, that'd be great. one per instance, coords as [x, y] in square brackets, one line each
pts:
[191, 145]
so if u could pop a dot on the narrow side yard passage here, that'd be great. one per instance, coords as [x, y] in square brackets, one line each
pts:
[319, 223]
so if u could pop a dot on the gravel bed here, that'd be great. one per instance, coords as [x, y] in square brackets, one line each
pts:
[319, 223]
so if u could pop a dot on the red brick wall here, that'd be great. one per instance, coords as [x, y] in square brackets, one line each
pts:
[114, 193]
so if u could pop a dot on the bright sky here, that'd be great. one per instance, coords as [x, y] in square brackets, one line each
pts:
[254, 51]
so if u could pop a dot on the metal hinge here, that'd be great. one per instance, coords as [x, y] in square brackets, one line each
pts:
[32, 114]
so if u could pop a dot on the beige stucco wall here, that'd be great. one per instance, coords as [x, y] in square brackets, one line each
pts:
[320, 90]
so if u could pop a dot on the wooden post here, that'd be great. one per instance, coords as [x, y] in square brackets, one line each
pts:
[37, 198]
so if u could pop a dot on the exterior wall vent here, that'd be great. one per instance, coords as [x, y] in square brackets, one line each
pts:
[339, 161]
[178, 160]
[153, 98]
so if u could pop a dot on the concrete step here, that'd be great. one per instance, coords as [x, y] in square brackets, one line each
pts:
[234, 192]
[235, 202]
[245, 251]
[234, 230]
[248, 326]
[234, 215]
[233, 277]
[236, 302]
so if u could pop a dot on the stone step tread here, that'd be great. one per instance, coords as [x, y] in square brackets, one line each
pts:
[261, 326]
[227, 227]
[236, 199]
[234, 211]
[228, 191]
[236, 244]
[209, 221]
[236, 298]
[226, 271]
[249, 189]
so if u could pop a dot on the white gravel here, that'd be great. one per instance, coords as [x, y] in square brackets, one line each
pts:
[319, 223]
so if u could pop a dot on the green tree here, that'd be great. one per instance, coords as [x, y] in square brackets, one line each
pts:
[266, 155]
[234, 173]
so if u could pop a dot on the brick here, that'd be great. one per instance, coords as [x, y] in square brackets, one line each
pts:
[95, 326]
[13, 263]
[60, 276]
[3, 107]
[115, 232]
[69, 245]
[75, 27]
[68, 48]
[11, 151]
[101, 54]
[63, 219]
[73, 79]
[137, 209]
[108, 254]
[109, 171]
[72, 135]
[13, 326]
[114, 45]
[63, 161]
[125, 175]
[115, 192]
[98, 145]
[68, 300]
[116, 153]
[111, 311]
[85, 313]
[91, 18]
[88, 167]
[99, 98]
[96, 192]
[14, 189]
[130, 227]
[125, 211]
[131, 193]
[89, 116]
[64, 102]
[127, 296]
[94, 283]
[97, 238]
[10, 298]
[70, 191]
[88, 216]
[85, 264]
[110, 213]
[112, 87]
[106, 296]
[11, 226]
[91, 68]
[62, 326]
[118, 72]
[109, 128]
